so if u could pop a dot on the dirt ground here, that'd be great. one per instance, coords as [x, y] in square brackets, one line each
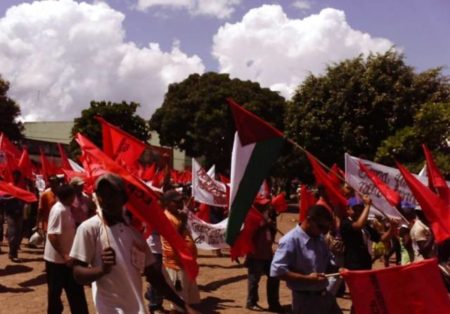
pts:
[222, 283]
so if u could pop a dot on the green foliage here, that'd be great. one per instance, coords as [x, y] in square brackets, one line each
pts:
[122, 115]
[431, 126]
[357, 104]
[195, 116]
[9, 112]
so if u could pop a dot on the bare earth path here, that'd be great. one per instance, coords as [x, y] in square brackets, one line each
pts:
[223, 284]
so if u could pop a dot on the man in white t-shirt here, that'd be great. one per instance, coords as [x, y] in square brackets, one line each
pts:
[58, 264]
[112, 256]
[421, 236]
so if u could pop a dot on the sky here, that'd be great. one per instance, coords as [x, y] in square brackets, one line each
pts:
[58, 55]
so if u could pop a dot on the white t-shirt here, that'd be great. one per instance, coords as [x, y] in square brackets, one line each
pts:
[60, 222]
[120, 291]
[419, 232]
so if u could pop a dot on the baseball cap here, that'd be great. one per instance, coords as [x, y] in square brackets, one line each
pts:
[354, 201]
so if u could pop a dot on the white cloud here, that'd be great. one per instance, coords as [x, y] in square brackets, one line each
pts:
[302, 5]
[268, 47]
[216, 8]
[60, 55]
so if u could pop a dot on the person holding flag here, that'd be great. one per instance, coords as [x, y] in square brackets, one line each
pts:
[112, 256]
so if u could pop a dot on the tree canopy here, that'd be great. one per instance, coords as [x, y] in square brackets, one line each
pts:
[195, 116]
[431, 126]
[358, 103]
[122, 115]
[9, 112]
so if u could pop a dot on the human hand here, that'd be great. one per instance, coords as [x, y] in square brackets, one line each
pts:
[68, 261]
[108, 259]
[317, 277]
[367, 200]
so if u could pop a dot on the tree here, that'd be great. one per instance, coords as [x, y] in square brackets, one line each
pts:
[431, 126]
[195, 117]
[122, 115]
[358, 103]
[9, 112]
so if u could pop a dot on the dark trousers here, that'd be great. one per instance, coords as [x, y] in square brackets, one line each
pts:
[60, 277]
[256, 269]
[15, 225]
[155, 298]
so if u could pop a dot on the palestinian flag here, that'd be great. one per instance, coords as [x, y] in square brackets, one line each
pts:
[255, 149]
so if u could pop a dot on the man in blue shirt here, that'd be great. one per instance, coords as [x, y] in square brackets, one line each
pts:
[302, 259]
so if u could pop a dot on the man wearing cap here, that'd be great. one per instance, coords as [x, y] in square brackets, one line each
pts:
[302, 259]
[356, 232]
[112, 256]
[83, 207]
[258, 262]
[172, 202]
[422, 239]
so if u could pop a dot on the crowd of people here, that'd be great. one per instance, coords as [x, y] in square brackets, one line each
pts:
[92, 239]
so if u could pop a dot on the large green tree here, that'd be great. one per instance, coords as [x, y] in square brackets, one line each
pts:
[431, 126]
[9, 112]
[195, 117]
[122, 115]
[358, 103]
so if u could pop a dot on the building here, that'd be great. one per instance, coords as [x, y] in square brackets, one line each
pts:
[45, 134]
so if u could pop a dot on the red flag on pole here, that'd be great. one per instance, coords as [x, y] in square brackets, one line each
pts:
[64, 160]
[142, 202]
[393, 197]
[414, 288]
[10, 189]
[307, 199]
[25, 166]
[244, 243]
[120, 145]
[434, 208]
[47, 168]
[436, 180]
[334, 193]
[279, 203]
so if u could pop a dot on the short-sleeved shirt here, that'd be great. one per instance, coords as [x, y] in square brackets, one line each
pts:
[419, 232]
[60, 222]
[356, 255]
[300, 253]
[171, 258]
[119, 291]
[46, 202]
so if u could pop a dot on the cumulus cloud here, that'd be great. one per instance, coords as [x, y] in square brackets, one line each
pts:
[302, 5]
[60, 55]
[215, 8]
[268, 47]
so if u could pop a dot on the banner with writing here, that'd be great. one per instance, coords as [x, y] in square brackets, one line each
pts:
[391, 176]
[205, 189]
[207, 236]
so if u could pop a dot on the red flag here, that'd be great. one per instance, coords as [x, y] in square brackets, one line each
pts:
[120, 145]
[307, 199]
[25, 166]
[8, 147]
[279, 203]
[142, 202]
[244, 243]
[48, 168]
[415, 288]
[335, 174]
[149, 172]
[64, 160]
[24, 195]
[436, 180]
[434, 209]
[393, 197]
[203, 212]
[334, 193]
[224, 179]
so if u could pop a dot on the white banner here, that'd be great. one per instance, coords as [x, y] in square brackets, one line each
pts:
[205, 189]
[207, 236]
[391, 176]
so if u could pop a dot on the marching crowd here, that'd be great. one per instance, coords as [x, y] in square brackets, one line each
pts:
[93, 239]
